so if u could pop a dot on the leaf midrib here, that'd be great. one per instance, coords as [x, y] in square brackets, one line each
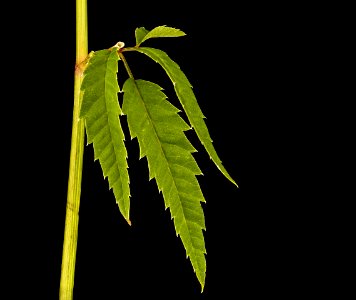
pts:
[166, 160]
[111, 136]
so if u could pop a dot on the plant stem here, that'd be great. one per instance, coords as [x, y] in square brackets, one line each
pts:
[76, 161]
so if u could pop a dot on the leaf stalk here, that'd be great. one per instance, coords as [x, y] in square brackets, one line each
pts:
[122, 57]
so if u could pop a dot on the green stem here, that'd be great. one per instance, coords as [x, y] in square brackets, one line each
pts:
[76, 161]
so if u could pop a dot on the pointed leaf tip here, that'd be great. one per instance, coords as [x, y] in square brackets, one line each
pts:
[160, 133]
[142, 34]
[100, 110]
[189, 102]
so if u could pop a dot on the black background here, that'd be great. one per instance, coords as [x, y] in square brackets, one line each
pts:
[244, 62]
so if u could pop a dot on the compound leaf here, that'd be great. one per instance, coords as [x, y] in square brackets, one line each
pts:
[160, 133]
[100, 110]
[143, 34]
[186, 96]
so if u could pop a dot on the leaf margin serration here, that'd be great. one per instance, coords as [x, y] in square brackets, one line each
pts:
[186, 96]
[92, 76]
[198, 258]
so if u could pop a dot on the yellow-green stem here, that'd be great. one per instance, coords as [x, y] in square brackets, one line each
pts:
[76, 161]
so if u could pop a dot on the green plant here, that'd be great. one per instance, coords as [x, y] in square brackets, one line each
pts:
[154, 121]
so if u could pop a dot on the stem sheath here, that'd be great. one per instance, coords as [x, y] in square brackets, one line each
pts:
[76, 161]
